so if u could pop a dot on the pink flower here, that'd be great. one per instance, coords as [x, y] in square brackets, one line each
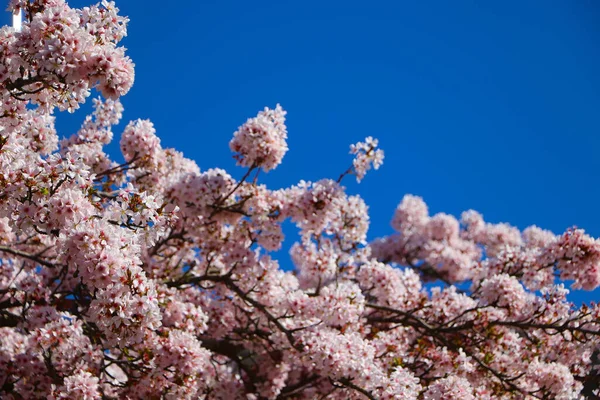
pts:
[261, 141]
[81, 386]
[366, 154]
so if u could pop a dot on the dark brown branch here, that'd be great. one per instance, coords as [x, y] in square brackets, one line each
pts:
[8, 320]
[32, 257]
[347, 383]
[291, 390]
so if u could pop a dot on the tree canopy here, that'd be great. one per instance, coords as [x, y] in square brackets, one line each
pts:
[153, 279]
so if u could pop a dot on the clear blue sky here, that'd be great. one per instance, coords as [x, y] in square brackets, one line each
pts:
[493, 107]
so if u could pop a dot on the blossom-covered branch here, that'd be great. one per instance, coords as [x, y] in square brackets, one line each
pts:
[149, 278]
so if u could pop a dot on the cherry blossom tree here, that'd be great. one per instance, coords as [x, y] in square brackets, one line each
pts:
[153, 279]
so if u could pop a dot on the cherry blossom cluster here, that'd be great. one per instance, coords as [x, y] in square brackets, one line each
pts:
[366, 155]
[61, 53]
[431, 244]
[261, 141]
[442, 247]
[151, 278]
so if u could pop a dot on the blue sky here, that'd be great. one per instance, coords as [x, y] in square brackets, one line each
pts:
[484, 105]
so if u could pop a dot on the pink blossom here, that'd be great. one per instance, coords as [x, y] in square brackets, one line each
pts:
[261, 141]
[366, 154]
[451, 387]
[81, 386]
[553, 379]
[150, 278]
